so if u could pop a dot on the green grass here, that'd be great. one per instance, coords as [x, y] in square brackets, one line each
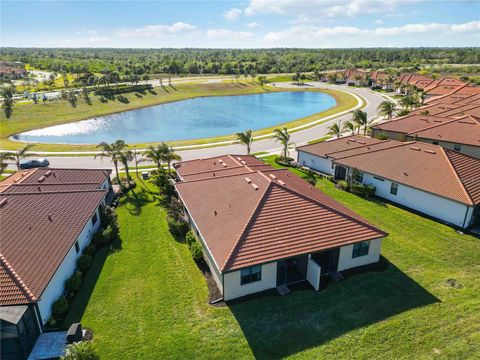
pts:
[31, 116]
[322, 139]
[149, 299]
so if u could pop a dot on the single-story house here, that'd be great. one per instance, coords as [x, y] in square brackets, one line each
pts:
[11, 73]
[354, 77]
[266, 229]
[320, 156]
[430, 179]
[48, 217]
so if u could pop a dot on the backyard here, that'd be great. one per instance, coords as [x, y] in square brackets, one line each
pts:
[146, 299]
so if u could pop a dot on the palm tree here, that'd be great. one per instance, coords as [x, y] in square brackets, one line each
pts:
[112, 151]
[157, 154]
[350, 126]
[126, 155]
[335, 130]
[421, 97]
[360, 118]
[283, 137]
[387, 108]
[4, 157]
[170, 156]
[245, 138]
[19, 154]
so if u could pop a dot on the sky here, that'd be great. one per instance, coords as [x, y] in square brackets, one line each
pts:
[240, 24]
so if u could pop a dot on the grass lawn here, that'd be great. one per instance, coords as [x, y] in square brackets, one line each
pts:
[31, 116]
[149, 300]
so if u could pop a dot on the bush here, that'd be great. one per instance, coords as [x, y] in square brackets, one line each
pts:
[90, 249]
[59, 308]
[74, 282]
[342, 184]
[280, 160]
[179, 228]
[81, 350]
[363, 190]
[190, 238]
[84, 262]
[196, 250]
[381, 137]
[122, 89]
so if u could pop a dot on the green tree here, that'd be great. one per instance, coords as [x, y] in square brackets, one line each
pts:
[169, 156]
[4, 157]
[359, 117]
[387, 108]
[282, 136]
[349, 126]
[335, 130]
[112, 151]
[126, 156]
[80, 351]
[245, 138]
[19, 154]
[157, 154]
[7, 106]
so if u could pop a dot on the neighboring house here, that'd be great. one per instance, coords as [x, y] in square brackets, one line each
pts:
[320, 156]
[267, 229]
[354, 77]
[442, 87]
[48, 217]
[430, 179]
[381, 79]
[11, 73]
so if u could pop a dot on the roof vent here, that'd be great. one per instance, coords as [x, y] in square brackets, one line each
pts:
[50, 217]
[415, 148]
[39, 188]
[220, 161]
[215, 212]
[244, 162]
[255, 186]
[404, 173]
[213, 174]
[248, 180]
[3, 202]
[281, 182]
[224, 165]
[48, 173]
[41, 179]
[272, 176]
[361, 142]
[239, 158]
[430, 151]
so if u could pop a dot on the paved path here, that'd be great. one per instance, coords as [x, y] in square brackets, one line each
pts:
[299, 138]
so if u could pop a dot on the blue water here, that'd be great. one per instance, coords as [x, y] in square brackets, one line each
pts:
[188, 119]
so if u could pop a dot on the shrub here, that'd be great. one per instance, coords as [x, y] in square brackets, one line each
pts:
[84, 262]
[280, 160]
[190, 238]
[59, 308]
[196, 250]
[342, 184]
[179, 228]
[74, 282]
[90, 249]
[363, 190]
[99, 240]
[81, 350]
[381, 137]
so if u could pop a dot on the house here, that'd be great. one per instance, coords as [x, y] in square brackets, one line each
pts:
[380, 79]
[430, 179]
[11, 73]
[354, 77]
[320, 156]
[48, 218]
[265, 228]
[443, 86]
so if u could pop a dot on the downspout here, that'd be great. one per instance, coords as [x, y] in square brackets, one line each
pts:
[465, 218]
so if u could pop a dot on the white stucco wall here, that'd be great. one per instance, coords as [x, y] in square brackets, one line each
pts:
[345, 260]
[441, 208]
[232, 288]
[56, 285]
[464, 149]
[314, 162]
[314, 271]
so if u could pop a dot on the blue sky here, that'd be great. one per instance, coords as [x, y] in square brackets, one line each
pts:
[240, 24]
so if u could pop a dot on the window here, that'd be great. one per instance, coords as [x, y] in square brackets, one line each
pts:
[77, 247]
[250, 275]
[394, 188]
[94, 218]
[435, 143]
[360, 249]
[457, 147]
[377, 178]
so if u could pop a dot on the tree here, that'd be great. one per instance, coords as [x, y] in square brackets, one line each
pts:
[112, 151]
[360, 118]
[169, 156]
[387, 108]
[245, 138]
[126, 155]
[283, 137]
[262, 80]
[80, 351]
[157, 154]
[4, 157]
[349, 126]
[7, 94]
[146, 78]
[335, 130]
[19, 154]
[408, 102]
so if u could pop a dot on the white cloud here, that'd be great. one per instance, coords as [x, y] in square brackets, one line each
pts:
[253, 25]
[156, 30]
[232, 14]
[228, 35]
[470, 26]
[378, 22]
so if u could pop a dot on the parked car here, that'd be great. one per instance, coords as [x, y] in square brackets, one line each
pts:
[34, 163]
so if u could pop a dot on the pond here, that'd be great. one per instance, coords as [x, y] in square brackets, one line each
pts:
[187, 119]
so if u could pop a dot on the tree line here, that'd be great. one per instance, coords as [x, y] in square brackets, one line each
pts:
[138, 62]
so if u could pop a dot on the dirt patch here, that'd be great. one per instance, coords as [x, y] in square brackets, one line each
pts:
[213, 290]
[454, 283]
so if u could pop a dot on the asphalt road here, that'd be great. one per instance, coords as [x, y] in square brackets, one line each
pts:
[268, 145]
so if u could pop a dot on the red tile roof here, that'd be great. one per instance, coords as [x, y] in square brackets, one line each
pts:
[411, 78]
[352, 73]
[254, 218]
[410, 123]
[423, 166]
[325, 148]
[14, 291]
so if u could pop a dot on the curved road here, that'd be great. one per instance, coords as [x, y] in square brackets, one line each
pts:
[267, 145]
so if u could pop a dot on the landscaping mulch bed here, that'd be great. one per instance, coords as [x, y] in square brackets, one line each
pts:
[213, 290]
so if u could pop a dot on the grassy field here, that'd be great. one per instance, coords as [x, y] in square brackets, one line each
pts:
[30, 116]
[146, 298]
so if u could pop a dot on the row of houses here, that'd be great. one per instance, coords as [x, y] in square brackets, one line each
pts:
[48, 218]
[9, 72]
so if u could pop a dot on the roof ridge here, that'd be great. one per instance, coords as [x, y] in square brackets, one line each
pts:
[377, 150]
[9, 269]
[62, 168]
[53, 184]
[360, 147]
[209, 171]
[53, 192]
[433, 126]
[449, 161]
[247, 225]
[233, 158]
[330, 208]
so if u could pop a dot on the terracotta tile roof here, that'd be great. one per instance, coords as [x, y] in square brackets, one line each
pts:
[38, 229]
[435, 109]
[254, 218]
[378, 75]
[409, 123]
[351, 73]
[226, 172]
[465, 130]
[411, 78]
[14, 291]
[385, 144]
[423, 166]
[34, 188]
[462, 110]
[468, 170]
[326, 148]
